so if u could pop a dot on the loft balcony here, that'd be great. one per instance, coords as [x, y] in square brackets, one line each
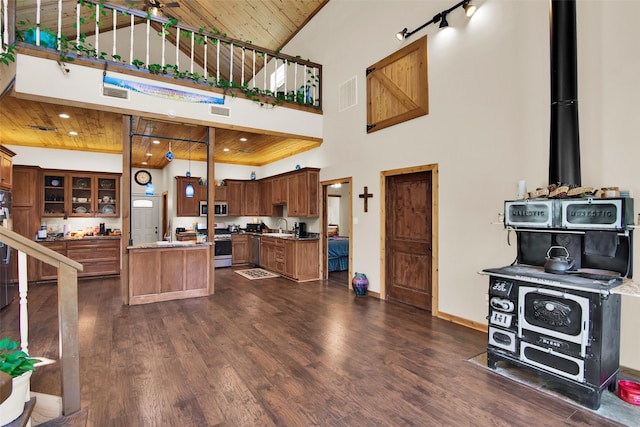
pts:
[91, 55]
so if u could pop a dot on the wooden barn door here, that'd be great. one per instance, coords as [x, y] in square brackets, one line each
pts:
[408, 235]
[397, 87]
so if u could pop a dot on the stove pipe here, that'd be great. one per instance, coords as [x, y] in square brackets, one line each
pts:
[564, 153]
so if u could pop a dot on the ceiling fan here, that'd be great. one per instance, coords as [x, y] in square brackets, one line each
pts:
[154, 7]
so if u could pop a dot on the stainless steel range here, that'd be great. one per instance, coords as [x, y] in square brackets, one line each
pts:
[222, 247]
[564, 324]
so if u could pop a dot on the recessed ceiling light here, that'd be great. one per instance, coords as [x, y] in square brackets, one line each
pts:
[64, 115]
[226, 149]
[149, 154]
[144, 163]
[73, 133]
[243, 139]
[155, 141]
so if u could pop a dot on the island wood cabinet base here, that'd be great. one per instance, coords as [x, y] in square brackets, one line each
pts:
[163, 274]
[293, 259]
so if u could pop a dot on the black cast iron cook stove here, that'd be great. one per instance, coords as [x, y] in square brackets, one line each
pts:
[565, 327]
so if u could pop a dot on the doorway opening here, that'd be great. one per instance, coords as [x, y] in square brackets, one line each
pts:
[337, 247]
[410, 236]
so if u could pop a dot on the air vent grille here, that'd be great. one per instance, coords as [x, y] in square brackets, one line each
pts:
[348, 93]
[220, 111]
[113, 92]
[43, 128]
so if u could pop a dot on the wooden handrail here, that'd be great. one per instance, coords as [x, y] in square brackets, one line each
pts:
[68, 329]
[38, 251]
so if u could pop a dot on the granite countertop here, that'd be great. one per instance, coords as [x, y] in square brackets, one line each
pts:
[165, 244]
[283, 235]
[64, 239]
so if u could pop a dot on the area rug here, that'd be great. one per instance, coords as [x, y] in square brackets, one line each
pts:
[611, 406]
[256, 273]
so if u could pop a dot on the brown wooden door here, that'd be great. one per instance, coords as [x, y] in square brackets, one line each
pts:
[408, 239]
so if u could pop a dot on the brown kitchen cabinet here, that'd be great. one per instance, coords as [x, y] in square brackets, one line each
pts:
[6, 166]
[251, 198]
[54, 194]
[267, 208]
[240, 249]
[302, 259]
[99, 257]
[220, 193]
[279, 190]
[163, 274]
[268, 247]
[80, 194]
[187, 206]
[108, 195]
[235, 197]
[201, 190]
[49, 272]
[265, 205]
[26, 213]
[295, 259]
[303, 191]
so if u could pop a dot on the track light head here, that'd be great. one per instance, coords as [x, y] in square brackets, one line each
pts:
[443, 22]
[401, 35]
[469, 9]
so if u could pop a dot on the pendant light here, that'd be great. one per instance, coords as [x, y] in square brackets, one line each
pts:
[189, 190]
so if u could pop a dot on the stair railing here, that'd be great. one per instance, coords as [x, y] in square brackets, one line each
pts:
[67, 310]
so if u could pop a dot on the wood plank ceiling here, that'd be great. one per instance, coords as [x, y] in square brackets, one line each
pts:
[266, 23]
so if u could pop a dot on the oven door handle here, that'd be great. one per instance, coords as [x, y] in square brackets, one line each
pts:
[550, 292]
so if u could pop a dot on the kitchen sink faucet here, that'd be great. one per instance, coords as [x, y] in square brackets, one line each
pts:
[286, 225]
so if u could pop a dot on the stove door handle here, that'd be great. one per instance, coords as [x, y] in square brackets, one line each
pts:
[551, 292]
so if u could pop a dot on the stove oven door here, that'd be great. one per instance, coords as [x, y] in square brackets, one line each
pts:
[555, 314]
[552, 361]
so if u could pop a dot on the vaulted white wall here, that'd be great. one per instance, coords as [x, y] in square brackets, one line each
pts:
[488, 124]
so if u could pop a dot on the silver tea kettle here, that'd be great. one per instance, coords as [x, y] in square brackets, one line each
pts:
[558, 264]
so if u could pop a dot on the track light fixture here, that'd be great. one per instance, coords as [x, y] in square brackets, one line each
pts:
[443, 22]
[469, 9]
[440, 17]
[401, 35]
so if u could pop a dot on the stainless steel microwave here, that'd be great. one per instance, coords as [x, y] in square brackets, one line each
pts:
[219, 208]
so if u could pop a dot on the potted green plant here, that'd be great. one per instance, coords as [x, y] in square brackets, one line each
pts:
[17, 364]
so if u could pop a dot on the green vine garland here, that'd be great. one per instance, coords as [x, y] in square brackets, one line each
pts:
[69, 50]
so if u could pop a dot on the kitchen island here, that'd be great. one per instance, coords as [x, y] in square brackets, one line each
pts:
[164, 271]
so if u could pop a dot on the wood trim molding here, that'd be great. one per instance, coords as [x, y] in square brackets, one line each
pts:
[464, 322]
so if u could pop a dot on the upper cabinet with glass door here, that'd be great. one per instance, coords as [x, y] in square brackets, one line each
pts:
[108, 195]
[53, 194]
[81, 194]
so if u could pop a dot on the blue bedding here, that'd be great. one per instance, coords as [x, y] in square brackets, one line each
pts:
[338, 253]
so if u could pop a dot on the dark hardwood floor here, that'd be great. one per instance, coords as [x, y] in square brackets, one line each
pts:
[273, 352]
